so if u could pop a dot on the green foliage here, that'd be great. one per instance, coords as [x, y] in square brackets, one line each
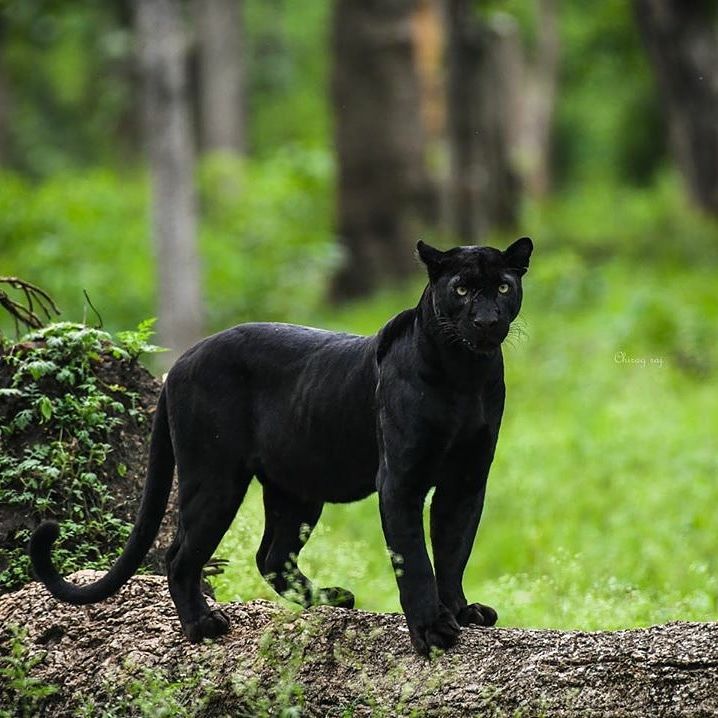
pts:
[609, 123]
[266, 235]
[80, 230]
[153, 694]
[67, 65]
[21, 695]
[135, 343]
[284, 699]
[288, 66]
[266, 240]
[75, 96]
[653, 224]
[57, 421]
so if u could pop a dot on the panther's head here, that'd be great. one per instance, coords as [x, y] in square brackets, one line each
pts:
[475, 292]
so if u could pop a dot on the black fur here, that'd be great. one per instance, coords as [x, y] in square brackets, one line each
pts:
[319, 417]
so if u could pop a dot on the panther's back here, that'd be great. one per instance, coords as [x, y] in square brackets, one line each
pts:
[301, 402]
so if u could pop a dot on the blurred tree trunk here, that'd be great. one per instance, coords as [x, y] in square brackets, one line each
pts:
[168, 138]
[380, 142]
[4, 95]
[220, 46]
[539, 100]
[484, 59]
[681, 37]
[125, 72]
[428, 40]
[4, 102]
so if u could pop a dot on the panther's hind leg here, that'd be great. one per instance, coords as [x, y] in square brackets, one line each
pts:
[289, 522]
[209, 499]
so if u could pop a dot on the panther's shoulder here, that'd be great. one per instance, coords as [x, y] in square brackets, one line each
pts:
[395, 328]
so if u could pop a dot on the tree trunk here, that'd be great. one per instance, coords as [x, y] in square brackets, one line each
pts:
[682, 41]
[428, 39]
[484, 71]
[220, 48]
[4, 111]
[4, 96]
[382, 182]
[124, 70]
[168, 139]
[539, 100]
[128, 655]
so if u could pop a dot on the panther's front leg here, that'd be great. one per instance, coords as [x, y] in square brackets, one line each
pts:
[455, 514]
[454, 521]
[431, 625]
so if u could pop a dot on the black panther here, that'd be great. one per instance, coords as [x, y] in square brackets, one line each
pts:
[319, 416]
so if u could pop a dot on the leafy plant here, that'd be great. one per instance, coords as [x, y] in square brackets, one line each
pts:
[268, 256]
[136, 342]
[59, 413]
[22, 696]
[152, 694]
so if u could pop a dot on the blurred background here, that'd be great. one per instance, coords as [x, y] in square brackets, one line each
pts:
[218, 161]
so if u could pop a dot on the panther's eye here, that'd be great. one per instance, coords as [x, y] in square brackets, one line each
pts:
[461, 290]
[504, 288]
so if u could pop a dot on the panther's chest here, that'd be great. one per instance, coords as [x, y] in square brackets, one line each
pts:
[461, 425]
[457, 410]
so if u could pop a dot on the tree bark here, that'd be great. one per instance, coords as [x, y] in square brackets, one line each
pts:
[4, 112]
[220, 46]
[338, 662]
[169, 144]
[682, 41]
[4, 96]
[428, 35]
[539, 100]
[484, 64]
[380, 142]
[124, 70]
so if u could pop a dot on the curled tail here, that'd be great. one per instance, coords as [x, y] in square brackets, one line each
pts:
[149, 517]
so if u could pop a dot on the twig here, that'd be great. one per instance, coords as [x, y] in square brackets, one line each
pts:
[27, 315]
[94, 309]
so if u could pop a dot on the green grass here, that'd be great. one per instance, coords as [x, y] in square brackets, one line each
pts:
[601, 504]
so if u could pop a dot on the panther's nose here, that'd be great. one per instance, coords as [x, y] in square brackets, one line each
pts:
[485, 323]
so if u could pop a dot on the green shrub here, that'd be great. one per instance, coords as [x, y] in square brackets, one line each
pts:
[265, 238]
[21, 695]
[266, 235]
[80, 230]
[61, 413]
[604, 219]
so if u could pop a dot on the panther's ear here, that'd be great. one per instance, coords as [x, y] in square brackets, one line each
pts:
[517, 255]
[431, 257]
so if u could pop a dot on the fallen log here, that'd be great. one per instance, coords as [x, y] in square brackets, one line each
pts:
[127, 656]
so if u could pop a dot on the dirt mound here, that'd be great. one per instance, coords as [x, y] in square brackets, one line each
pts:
[76, 412]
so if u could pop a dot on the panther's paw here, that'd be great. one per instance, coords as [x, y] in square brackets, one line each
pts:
[477, 614]
[335, 596]
[441, 633]
[210, 625]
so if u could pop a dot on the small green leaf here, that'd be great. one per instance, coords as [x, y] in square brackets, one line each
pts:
[10, 392]
[40, 368]
[45, 406]
[122, 469]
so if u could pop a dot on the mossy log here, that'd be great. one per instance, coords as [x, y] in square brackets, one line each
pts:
[119, 656]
